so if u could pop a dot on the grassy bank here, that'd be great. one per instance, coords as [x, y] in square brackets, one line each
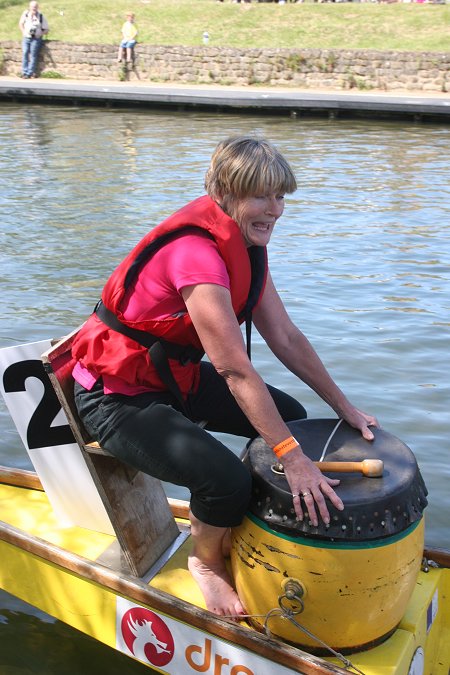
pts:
[411, 27]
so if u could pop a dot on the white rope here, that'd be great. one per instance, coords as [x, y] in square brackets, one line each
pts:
[324, 451]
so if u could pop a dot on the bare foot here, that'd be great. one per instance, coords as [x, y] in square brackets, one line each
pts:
[215, 585]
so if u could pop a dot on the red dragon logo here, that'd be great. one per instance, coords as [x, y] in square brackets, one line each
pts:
[147, 636]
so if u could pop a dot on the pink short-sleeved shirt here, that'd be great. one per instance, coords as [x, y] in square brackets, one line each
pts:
[186, 261]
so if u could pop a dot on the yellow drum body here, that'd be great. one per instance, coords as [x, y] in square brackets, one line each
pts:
[354, 595]
[358, 572]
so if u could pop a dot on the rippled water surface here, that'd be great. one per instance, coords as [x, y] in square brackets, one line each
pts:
[361, 258]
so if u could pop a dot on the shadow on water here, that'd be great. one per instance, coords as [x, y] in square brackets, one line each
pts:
[32, 643]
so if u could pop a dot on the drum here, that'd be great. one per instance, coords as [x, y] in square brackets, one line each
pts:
[347, 583]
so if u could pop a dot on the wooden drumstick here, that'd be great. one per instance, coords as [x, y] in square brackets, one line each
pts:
[373, 468]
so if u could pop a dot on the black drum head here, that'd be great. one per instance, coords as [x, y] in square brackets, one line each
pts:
[374, 507]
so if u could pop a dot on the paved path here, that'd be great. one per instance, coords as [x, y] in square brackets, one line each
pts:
[419, 105]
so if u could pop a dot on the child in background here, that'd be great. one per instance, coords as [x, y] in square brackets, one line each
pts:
[129, 33]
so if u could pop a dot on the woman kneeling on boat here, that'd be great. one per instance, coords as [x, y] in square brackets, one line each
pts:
[142, 387]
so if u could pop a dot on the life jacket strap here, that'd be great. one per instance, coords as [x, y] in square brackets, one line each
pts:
[160, 350]
[182, 353]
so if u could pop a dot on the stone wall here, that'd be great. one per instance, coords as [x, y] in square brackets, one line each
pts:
[301, 68]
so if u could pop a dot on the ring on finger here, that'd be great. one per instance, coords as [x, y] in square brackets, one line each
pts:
[306, 493]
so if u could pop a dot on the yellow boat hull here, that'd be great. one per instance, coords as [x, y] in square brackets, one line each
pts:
[67, 583]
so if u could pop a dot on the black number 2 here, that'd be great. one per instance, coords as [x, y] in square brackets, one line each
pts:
[40, 433]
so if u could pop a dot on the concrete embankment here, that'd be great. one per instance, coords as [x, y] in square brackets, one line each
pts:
[247, 100]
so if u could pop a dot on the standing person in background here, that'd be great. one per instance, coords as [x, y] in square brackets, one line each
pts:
[34, 26]
[129, 33]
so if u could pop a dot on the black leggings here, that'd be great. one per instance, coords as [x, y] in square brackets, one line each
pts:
[150, 433]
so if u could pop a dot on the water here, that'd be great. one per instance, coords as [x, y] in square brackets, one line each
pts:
[361, 258]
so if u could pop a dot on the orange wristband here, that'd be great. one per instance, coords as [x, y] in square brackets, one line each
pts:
[285, 446]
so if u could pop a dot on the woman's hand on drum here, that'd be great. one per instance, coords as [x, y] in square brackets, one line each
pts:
[361, 421]
[309, 487]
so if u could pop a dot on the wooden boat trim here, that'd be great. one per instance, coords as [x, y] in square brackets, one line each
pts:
[136, 590]
[440, 556]
[20, 478]
[30, 480]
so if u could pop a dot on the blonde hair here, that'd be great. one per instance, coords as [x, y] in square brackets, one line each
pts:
[243, 166]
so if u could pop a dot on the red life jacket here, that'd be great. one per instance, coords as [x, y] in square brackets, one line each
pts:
[103, 350]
